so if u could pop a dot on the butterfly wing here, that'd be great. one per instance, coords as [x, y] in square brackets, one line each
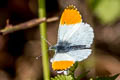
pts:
[61, 57]
[62, 61]
[80, 55]
[70, 17]
[64, 31]
[82, 36]
[77, 34]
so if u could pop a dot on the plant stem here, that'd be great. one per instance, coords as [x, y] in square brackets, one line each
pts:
[42, 13]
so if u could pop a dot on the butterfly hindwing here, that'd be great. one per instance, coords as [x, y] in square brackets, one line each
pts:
[62, 57]
[80, 55]
[62, 61]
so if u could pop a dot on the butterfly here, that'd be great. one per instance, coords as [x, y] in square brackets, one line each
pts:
[74, 40]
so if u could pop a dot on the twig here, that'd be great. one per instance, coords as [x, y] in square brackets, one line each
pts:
[26, 25]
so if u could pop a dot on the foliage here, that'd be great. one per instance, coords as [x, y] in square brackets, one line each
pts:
[63, 77]
[107, 78]
[106, 10]
[72, 70]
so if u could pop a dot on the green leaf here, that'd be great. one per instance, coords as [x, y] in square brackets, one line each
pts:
[82, 75]
[62, 77]
[72, 69]
[106, 10]
[107, 78]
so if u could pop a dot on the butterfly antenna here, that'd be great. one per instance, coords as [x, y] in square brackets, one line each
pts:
[46, 41]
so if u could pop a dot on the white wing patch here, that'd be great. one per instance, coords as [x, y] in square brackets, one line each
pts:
[64, 30]
[80, 55]
[77, 34]
[62, 57]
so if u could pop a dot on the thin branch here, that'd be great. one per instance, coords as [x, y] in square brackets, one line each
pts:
[26, 25]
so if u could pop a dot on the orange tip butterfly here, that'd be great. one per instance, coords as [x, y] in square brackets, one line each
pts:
[74, 40]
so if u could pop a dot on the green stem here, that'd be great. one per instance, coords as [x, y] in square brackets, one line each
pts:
[42, 13]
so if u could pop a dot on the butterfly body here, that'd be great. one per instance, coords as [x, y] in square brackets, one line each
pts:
[64, 47]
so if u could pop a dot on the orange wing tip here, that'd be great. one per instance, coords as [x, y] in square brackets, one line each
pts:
[70, 16]
[62, 65]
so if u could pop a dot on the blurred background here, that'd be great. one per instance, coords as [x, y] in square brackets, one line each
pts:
[19, 49]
